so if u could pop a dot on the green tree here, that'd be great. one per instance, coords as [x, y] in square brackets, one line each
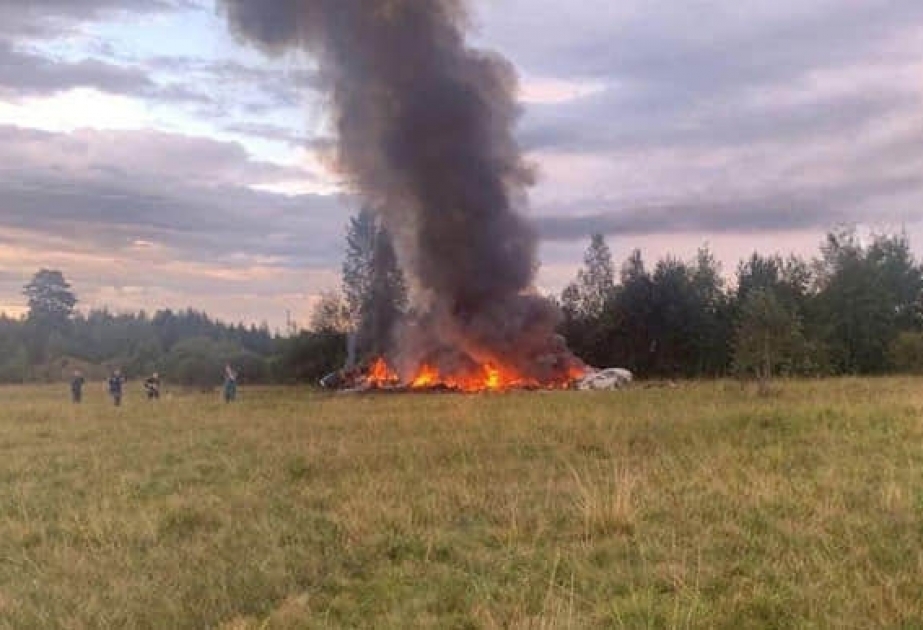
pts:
[712, 313]
[50, 297]
[330, 314]
[906, 353]
[14, 358]
[595, 280]
[767, 337]
[358, 263]
[199, 361]
[387, 300]
[792, 283]
[51, 305]
[633, 307]
[587, 325]
[859, 301]
[674, 315]
[891, 256]
[373, 284]
[309, 356]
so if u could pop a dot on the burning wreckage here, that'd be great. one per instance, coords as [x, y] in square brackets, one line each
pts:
[378, 376]
[563, 371]
[425, 139]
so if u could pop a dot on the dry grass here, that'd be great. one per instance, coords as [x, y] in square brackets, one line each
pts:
[701, 506]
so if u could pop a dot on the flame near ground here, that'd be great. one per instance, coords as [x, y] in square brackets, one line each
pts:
[486, 377]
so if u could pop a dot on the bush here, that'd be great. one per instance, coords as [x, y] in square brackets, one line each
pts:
[309, 357]
[200, 361]
[906, 353]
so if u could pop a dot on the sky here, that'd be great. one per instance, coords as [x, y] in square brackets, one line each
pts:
[159, 163]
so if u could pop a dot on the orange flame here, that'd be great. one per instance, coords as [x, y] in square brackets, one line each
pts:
[380, 374]
[492, 377]
[426, 377]
[486, 377]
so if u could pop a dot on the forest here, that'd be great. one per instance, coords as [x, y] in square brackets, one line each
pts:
[855, 308]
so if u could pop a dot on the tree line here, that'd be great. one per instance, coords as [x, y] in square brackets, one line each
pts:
[190, 348]
[856, 308]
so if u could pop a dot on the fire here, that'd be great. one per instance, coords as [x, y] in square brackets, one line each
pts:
[380, 374]
[492, 380]
[576, 372]
[426, 377]
[486, 377]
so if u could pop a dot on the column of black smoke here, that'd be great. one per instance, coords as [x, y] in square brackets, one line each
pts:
[425, 136]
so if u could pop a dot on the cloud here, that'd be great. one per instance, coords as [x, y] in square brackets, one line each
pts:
[54, 18]
[665, 124]
[741, 76]
[693, 46]
[614, 121]
[26, 74]
[50, 47]
[147, 218]
[767, 187]
[258, 89]
[193, 196]
[285, 135]
[744, 215]
[769, 116]
[27, 69]
[174, 215]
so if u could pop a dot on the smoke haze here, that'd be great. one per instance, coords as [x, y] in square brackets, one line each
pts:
[425, 137]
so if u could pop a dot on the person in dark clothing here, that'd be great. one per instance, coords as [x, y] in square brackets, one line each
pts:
[152, 386]
[77, 387]
[230, 384]
[115, 387]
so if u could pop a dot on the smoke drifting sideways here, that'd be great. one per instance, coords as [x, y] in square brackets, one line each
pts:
[425, 130]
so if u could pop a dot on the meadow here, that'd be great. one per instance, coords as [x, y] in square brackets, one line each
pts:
[699, 506]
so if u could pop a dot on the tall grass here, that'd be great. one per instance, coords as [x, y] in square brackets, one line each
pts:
[701, 506]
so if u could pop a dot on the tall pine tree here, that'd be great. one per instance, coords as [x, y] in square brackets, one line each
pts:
[373, 285]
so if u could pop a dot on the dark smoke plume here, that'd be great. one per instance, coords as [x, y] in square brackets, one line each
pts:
[425, 137]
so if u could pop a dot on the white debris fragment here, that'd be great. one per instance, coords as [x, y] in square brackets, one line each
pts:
[610, 378]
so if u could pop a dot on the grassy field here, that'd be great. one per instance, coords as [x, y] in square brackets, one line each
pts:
[699, 506]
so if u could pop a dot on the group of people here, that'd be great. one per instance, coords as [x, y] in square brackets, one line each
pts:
[151, 386]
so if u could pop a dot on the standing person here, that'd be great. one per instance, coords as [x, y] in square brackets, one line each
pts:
[230, 384]
[77, 386]
[152, 386]
[115, 387]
